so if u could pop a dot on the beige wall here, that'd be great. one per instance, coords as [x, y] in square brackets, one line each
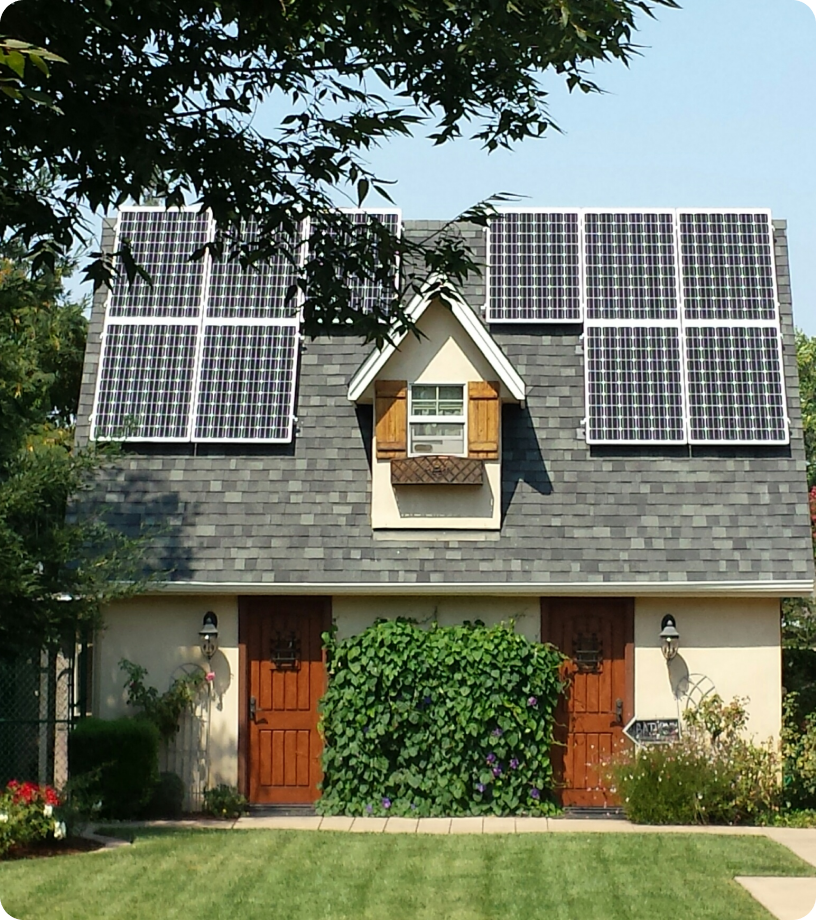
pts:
[730, 647]
[447, 354]
[161, 634]
[353, 614]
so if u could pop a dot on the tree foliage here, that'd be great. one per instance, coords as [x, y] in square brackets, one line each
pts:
[54, 573]
[270, 110]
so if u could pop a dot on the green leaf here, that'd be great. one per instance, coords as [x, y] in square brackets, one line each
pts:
[362, 192]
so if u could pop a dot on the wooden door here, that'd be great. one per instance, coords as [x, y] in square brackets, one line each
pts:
[598, 636]
[285, 679]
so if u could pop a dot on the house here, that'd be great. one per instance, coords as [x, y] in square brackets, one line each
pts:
[599, 439]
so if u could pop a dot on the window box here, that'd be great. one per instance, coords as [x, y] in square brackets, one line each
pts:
[429, 471]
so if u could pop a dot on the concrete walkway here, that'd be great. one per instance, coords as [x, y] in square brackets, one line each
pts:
[784, 898]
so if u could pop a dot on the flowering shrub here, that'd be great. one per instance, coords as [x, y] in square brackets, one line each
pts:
[28, 814]
[711, 775]
[440, 721]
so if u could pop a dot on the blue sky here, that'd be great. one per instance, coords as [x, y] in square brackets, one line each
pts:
[719, 111]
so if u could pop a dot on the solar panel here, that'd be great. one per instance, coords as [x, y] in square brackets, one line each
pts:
[735, 388]
[367, 295]
[247, 382]
[630, 265]
[534, 268]
[257, 291]
[162, 242]
[727, 265]
[634, 385]
[145, 381]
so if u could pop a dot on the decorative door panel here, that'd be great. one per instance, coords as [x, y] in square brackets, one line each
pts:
[286, 678]
[597, 635]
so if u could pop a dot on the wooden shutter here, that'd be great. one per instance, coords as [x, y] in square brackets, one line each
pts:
[484, 419]
[391, 414]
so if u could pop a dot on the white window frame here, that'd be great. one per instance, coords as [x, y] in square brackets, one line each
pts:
[437, 419]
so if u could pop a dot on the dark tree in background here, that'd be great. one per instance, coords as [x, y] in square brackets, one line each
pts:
[54, 573]
[164, 98]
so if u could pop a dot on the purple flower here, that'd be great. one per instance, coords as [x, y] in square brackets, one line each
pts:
[491, 757]
[497, 770]
[535, 794]
[514, 764]
[386, 803]
[480, 787]
[413, 807]
[497, 733]
[532, 701]
[369, 808]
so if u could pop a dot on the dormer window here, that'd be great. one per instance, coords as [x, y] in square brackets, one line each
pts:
[436, 421]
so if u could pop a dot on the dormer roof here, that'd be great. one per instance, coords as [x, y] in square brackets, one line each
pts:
[465, 316]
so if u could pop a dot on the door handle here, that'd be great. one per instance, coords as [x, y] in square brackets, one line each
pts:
[252, 705]
[619, 711]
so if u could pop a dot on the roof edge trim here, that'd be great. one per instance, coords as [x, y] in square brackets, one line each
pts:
[798, 588]
[467, 319]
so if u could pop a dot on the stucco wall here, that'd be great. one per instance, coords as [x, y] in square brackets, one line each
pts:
[161, 634]
[731, 647]
[353, 614]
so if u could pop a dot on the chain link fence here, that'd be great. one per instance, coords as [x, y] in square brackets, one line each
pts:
[39, 704]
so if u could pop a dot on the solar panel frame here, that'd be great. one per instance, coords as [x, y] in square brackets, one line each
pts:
[653, 328]
[728, 406]
[110, 359]
[225, 273]
[239, 388]
[120, 292]
[699, 315]
[570, 317]
[362, 287]
[671, 286]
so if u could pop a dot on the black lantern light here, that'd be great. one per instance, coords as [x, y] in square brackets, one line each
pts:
[208, 635]
[669, 637]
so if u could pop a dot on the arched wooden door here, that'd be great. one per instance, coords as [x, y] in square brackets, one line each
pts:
[598, 636]
[284, 679]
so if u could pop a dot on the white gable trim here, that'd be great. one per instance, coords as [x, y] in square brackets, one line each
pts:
[505, 371]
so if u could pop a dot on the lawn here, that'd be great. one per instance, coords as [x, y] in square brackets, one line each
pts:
[249, 875]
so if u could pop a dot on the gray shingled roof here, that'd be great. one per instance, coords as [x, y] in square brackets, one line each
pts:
[571, 514]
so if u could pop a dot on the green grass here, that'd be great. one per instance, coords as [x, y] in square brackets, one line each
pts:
[249, 875]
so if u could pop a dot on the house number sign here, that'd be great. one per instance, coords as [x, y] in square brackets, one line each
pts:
[653, 731]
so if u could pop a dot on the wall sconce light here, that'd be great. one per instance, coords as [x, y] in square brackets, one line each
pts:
[669, 637]
[208, 635]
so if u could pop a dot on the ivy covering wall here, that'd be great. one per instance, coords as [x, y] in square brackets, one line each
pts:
[441, 721]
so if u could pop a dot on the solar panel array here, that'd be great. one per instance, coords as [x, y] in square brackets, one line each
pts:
[209, 351]
[682, 337]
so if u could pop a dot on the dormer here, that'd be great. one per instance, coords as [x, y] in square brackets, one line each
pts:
[437, 398]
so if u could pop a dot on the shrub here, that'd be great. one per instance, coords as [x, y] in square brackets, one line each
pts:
[125, 752]
[167, 800]
[712, 775]
[440, 721]
[799, 754]
[28, 814]
[164, 710]
[224, 801]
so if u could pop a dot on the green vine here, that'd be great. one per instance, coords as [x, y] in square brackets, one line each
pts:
[440, 721]
[164, 710]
